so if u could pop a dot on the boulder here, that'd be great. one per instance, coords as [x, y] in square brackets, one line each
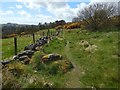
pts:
[45, 37]
[51, 57]
[39, 42]
[15, 57]
[5, 62]
[22, 58]
[30, 47]
[25, 59]
[27, 53]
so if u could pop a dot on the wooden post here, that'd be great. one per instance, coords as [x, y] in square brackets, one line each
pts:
[15, 45]
[33, 37]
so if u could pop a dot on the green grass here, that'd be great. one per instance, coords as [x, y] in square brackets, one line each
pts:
[98, 68]
[8, 44]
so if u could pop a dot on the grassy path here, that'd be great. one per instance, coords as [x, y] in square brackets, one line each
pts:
[73, 76]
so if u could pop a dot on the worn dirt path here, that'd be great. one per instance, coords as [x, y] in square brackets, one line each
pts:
[73, 76]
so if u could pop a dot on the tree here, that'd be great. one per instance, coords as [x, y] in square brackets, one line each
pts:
[97, 15]
[76, 19]
[61, 22]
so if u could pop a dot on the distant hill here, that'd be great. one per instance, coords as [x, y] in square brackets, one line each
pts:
[13, 28]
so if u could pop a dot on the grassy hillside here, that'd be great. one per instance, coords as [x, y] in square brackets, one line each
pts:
[8, 44]
[94, 56]
[95, 66]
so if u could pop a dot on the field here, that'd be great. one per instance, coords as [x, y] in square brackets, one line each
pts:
[8, 44]
[94, 56]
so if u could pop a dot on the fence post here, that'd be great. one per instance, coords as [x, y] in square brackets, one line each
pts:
[15, 45]
[33, 37]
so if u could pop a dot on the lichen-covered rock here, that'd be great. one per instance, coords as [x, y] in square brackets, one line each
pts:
[51, 57]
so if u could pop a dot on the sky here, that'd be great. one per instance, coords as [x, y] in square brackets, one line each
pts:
[41, 11]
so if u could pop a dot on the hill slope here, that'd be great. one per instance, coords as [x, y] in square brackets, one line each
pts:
[94, 56]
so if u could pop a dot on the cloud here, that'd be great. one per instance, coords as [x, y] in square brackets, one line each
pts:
[19, 0]
[55, 0]
[9, 12]
[65, 12]
[4, 13]
[104, 1]
[24, 14]
[31, 4]
[59, 9]
[20, 20]
[29, 20]
[42, 18]
[80, 7]
[19, 6]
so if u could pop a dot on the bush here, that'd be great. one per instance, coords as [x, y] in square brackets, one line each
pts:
[23, 33]
[66, 25]
[11, 75]
[17, 68]
[54, 69]
[11, 35]
[72, 25]
[36, 61]
[11, 82]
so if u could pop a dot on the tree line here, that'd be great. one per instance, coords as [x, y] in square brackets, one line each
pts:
[12, 29]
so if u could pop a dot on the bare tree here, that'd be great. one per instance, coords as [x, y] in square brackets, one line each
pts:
[76, 19]
[97, 15]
